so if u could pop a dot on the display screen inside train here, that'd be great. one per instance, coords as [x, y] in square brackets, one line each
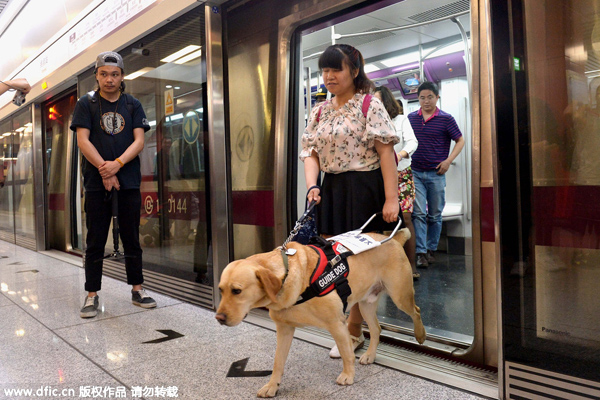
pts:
[409, 81]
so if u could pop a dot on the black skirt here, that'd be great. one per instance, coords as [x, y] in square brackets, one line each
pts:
[349, 199]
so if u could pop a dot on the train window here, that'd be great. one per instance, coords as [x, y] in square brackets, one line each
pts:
[7, 222]
[16, 180]
[401, 60]
[166, 72]
[57, 115]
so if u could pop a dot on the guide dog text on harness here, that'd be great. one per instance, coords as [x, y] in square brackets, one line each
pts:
[339, 270]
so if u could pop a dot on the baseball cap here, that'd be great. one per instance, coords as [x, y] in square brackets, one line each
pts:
[109, 58]
[321, 92]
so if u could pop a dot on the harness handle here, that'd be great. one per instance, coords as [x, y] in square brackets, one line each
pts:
[311, 205]
[400, 220]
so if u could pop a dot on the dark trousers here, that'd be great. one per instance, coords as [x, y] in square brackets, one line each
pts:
[98, 211]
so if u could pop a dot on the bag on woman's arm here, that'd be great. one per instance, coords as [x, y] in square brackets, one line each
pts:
[309, 225]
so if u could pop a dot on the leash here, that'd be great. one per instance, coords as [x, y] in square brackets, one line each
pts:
[299, 224]
[285, 252]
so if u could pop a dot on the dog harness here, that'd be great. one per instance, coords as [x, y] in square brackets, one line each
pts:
[330, 273]
[332, 267]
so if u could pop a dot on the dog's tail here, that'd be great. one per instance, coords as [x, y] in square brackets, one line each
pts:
[402, 236]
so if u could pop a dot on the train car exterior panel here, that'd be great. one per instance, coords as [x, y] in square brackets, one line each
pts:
[484, 246]
[251, 137]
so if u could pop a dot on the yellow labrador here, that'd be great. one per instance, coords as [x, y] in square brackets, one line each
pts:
[257, 282]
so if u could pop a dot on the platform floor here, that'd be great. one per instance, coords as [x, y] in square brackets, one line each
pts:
[48, 349]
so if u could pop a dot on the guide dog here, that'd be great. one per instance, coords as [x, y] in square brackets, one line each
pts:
[261, 281]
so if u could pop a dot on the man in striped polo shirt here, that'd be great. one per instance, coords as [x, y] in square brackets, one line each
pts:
[434, 130]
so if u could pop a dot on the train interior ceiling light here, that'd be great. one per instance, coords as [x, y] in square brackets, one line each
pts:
[441, 57]
[182, 56]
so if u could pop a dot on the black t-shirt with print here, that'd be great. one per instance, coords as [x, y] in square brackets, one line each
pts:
[110, 146]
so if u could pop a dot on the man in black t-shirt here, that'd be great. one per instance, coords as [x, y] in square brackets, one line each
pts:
[110, 128]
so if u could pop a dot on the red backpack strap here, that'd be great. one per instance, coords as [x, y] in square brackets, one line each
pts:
[365, 109]
[366, 104]
[320, 109]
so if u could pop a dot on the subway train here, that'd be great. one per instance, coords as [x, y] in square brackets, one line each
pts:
[510, 304]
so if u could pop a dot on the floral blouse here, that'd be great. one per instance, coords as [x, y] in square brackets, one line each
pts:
[344, 139]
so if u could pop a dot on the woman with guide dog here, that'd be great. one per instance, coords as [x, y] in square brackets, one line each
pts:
[355, 150]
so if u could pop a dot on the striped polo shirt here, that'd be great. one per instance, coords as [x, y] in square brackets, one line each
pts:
[434, 136]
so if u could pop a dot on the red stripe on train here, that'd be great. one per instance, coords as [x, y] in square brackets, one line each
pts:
[567, 216]
[253, 207]
[563, 216]
[487, 214]
[249, 207]
[56, 201]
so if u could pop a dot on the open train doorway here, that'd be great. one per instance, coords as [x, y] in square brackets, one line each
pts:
[404, 45]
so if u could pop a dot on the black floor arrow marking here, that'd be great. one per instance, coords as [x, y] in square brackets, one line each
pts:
[237, 370]
[17, 263]
[35, 271]
[170, 336]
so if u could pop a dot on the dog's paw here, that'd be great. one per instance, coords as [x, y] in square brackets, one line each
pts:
[269, 390]
[345, 379]
[367, 358]
[420, 334]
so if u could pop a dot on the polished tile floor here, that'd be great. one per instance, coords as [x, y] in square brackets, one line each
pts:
[48, 349]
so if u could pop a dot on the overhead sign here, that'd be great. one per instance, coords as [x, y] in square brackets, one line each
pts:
[191, 126]
[169, 102]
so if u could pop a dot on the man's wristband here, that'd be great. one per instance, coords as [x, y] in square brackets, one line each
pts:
[120, 162]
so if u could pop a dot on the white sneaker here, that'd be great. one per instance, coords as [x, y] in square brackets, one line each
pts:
[357, 343]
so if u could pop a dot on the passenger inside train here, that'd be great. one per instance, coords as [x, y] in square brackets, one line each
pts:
[404, 150]
[434, 129]
[321, 94]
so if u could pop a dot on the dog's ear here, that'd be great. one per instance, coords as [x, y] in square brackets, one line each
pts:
[271, 284]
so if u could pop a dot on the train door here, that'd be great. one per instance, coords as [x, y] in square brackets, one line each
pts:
[547, 138]
[61, 167]
[7, 222]
[16, 181]
[404, 45]
[166, 72]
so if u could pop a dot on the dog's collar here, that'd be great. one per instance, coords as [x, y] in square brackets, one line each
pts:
[284, 255]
